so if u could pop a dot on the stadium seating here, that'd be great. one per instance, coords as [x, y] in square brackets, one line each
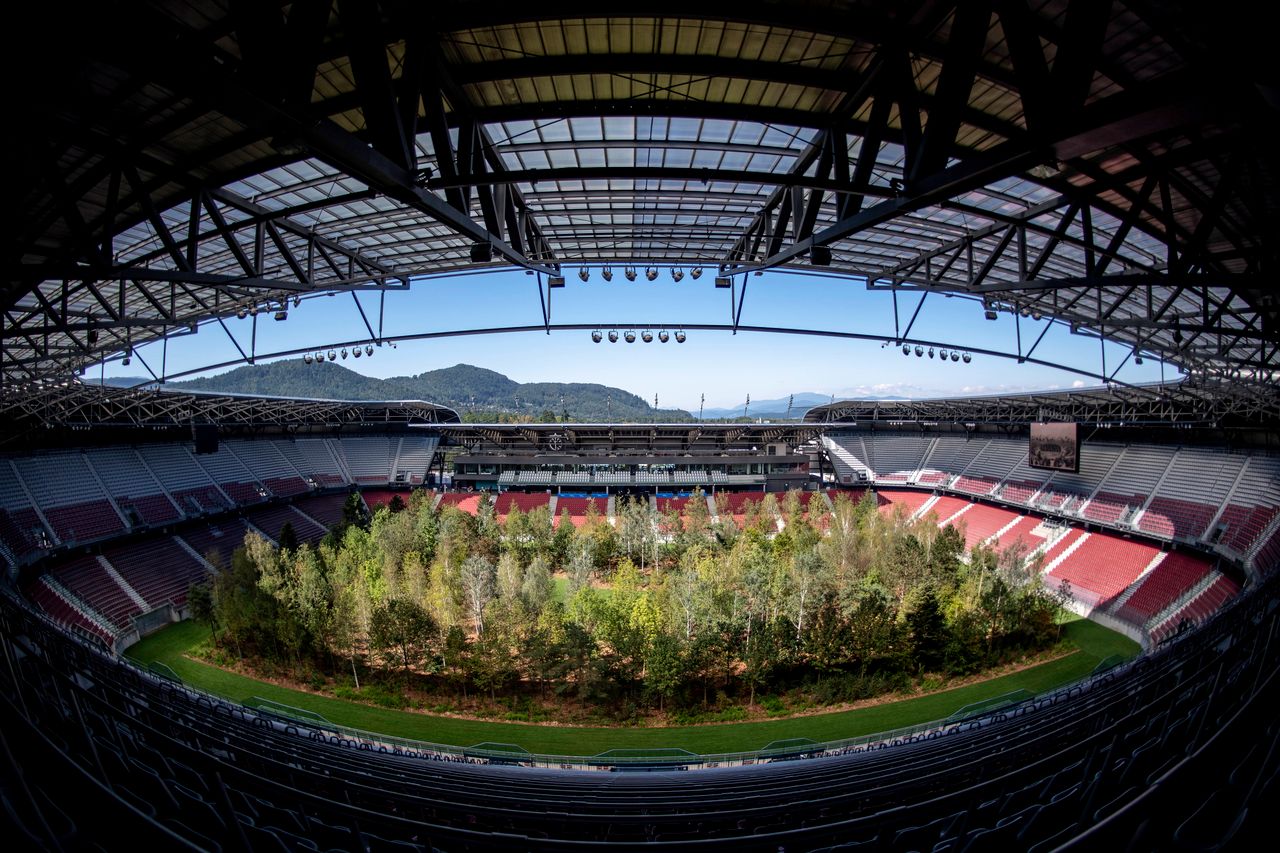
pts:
[949, 456]
[947, 507]
[1173, 576]
[131, 483]
[413, 458]
[70, 497]
[85, 578]
[468, 502]
[1218, 592]
[58, 609]
[219, 539]
[185, 480]
[910, 500]
[993, 464]
[325, 510]
[577, 508]
[1103, 566]
[374, 498]
[232, 477]
[314, 459]
[1022, 531]
[272, 519]
[519, 500]
[1196, 715]
[269, 466]
[982, 522]
[369, 459]
[1196, 483]
[157, 568]
[739, 503]
[1109, 507]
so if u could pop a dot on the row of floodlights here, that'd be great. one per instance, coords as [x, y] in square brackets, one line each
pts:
[630, 336]
[631, 273]
[282, 313]
[356, 351]
[942, 354]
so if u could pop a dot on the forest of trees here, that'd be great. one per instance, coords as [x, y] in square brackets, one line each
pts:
[658, 612]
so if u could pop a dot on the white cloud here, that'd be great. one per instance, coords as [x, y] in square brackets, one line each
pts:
[1079, 383]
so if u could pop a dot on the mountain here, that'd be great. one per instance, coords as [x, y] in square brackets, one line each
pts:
[478, 393]
[772, 408]
[477, 390]
[294, 379]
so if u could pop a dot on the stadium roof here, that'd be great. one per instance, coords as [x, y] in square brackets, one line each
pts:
[72, 404]
[1184, 404]
[1107, 164]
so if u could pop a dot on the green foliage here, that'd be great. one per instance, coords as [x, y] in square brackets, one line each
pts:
[680, 617]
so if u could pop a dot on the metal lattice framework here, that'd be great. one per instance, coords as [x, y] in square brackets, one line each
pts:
[70, 404]
[1187, 404]
[1105, 164]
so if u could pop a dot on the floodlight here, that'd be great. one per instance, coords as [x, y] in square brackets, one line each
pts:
[906, 349]
[630, 273]
[319, 356]
[930, 352]
[297, 300]
[630, 336]
[724, 281]
[556, 281]
[481, 253]
[1137, 359]
[368, 350]
[253, 310]
[663, 336]
[677, 274]
[344, 353]
[607, 274]
[919, 351]
[584, 273]
[306, 358]
[613, 336]
[651, 273]
[695, 273]
[646, 336]
[242, 312]
[820, 256]
[990, 313]
[282, 315]
[596, 337]
[967, 358]
[333, 356]
[680, 337]
[1035, 315]
[942, 354]
[357, 352]
[955, 356]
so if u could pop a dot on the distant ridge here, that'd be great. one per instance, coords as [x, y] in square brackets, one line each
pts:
[475, 392]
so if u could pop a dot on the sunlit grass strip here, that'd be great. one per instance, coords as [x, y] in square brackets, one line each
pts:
[1093, 644]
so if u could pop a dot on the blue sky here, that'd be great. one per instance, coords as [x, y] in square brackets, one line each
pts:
[724, 367]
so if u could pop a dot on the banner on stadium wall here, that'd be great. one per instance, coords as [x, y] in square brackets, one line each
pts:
[1054, 447]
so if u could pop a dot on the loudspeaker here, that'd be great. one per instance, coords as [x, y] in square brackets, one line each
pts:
[206, 436]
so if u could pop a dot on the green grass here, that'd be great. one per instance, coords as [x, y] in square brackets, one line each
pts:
[560, 590]
[1093, 643]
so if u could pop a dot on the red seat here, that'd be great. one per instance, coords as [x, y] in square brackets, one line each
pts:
[1176, 574]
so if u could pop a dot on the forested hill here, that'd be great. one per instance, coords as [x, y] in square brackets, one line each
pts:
[475, 392]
